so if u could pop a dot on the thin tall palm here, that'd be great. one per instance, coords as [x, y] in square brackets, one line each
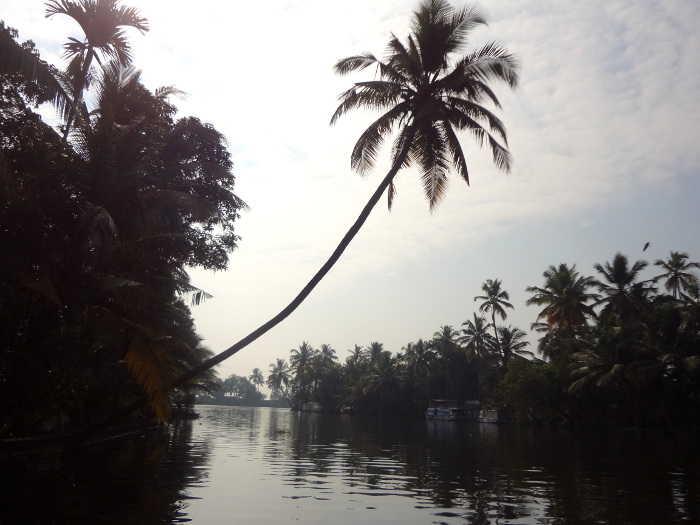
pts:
[495, 300]
[677, 272]
[427, 100]
[103, 23]
[445, 343]
[565, 297]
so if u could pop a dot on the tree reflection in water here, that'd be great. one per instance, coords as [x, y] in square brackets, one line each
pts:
[266, 465]
[138, 479]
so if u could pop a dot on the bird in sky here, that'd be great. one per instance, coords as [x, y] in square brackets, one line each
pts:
[646, 246]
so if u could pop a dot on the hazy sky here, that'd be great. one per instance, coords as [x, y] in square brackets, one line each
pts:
[604, 130]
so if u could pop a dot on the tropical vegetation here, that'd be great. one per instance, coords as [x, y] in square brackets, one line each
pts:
[613, 349]
[99, 222]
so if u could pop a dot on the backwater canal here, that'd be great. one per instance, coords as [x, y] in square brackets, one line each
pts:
[240, 465]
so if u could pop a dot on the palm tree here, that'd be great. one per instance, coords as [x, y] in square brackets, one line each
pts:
[103, 23]
[374, 350]
[565, 297]
[496, 302]
[327, 354]
[677, 273]
[418, 357]
[257, 378]
[444, 342]
[279, 378]
[382, 380]
[623, 294]
[475, 339]
[428, 96]
[479, 344]
[513, 342]
[357, 356]
[301, 361]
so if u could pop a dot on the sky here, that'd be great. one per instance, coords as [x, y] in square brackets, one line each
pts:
[604, 130]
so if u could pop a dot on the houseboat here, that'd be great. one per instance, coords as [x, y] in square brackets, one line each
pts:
[450, 410]
[496, 415]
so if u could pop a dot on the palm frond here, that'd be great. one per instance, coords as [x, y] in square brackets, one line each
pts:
[429, 153]
[403, 65]
[351, 64]
[152, 368]
[146, 358]
[366, 150]
[492, 61]
[371, 96]
[459, 163]
[467, 114]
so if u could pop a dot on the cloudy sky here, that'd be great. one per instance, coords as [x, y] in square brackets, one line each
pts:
[604, 130]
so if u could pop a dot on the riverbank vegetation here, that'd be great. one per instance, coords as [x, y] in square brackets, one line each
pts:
[98, 226]
[611, 349]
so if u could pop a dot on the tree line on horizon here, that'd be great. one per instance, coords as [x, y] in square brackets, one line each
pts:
[614, 349]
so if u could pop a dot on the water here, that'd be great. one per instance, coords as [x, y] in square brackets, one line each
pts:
[262, 465]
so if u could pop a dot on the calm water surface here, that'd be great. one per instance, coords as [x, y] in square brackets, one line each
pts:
[262, 465]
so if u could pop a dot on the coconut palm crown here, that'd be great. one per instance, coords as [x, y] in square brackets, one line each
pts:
[426, 96]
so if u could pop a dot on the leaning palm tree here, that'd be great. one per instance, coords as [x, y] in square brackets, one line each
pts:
[103, 23]
[677, 272]
[427, 96]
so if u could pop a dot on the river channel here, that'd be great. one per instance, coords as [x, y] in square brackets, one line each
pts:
[265, 465]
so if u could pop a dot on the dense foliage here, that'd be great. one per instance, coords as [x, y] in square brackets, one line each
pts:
[97, 228]
[615, 349]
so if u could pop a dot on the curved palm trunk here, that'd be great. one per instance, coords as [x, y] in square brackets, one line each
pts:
[287, 311]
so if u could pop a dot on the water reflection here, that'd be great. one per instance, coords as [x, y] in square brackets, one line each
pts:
[141, 480]
[440, 472]
[248, 465]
